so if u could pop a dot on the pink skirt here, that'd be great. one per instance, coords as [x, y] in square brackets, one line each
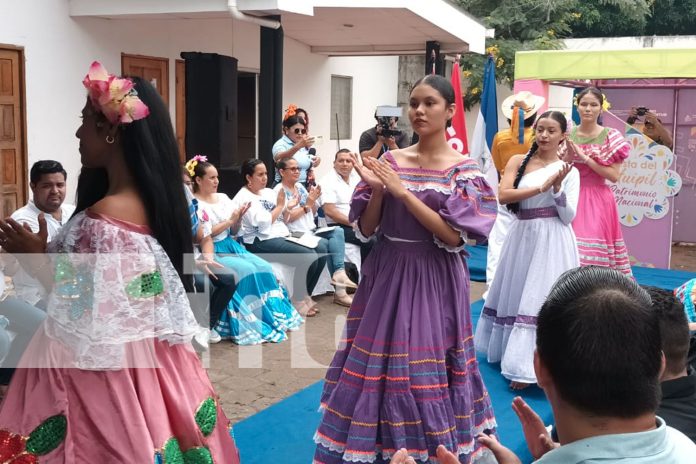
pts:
[131, 415]
[598, 231]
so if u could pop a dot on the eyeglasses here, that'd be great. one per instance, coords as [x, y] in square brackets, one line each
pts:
[300, 131]
[295, 169]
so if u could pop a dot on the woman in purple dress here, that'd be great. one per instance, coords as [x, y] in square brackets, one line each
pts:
[405, 375]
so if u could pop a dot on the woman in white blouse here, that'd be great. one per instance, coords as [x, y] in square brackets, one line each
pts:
[301, 206]
[264, 232]
[259, 310]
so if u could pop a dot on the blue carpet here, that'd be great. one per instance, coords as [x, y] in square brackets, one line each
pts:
[664, 278]
[477, 262]
[284, 430]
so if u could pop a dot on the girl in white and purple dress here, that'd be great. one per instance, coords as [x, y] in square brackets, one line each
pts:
[405, 375]
[542, 191]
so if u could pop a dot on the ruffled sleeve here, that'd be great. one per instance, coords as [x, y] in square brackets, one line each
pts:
[566, 199]
[470, 209]
[615, 149]
[114, 286]
[358, 203]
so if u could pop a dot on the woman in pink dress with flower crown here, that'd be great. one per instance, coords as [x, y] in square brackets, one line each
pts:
[597, 153]
[111, 376]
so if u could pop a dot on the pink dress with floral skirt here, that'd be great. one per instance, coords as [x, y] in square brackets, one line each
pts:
[596, 224]
[111, 376]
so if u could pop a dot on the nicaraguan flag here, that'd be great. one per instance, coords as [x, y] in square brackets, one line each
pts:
[486, 126]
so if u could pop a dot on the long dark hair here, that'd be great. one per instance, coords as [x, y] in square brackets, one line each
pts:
[561, 120]
[152, 157]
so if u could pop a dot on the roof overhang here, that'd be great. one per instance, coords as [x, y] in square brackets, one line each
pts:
[328, 27]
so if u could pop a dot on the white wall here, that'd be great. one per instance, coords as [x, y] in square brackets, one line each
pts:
[307, 84]
[631, 43]
[59, 49]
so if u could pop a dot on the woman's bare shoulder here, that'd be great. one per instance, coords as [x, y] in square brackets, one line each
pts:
[126, 207]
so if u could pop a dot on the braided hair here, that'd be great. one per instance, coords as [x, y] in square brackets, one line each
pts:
[563, 123]
[514, 208]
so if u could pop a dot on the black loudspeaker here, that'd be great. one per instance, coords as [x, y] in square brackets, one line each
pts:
[211, 108]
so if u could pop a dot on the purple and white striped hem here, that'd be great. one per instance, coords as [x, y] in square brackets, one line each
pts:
[509, 320]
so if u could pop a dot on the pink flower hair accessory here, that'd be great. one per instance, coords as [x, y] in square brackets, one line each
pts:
[115, 97]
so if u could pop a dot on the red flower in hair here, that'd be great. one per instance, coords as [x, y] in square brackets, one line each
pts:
[290, 112]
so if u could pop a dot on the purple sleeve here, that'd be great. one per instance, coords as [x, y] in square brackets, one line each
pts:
[361, 196]
[470, 209]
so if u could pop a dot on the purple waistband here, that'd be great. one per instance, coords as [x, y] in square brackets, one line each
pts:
[535, 213]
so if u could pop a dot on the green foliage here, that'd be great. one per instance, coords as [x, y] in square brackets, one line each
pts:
[519, 25]
[670, 17]
[610, 18]
[541, 24]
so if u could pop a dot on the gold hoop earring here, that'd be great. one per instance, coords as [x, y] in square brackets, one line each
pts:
[110, 139]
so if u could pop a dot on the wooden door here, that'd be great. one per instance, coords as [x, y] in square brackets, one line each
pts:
[13, 160]
[153, 69]
[180, 102]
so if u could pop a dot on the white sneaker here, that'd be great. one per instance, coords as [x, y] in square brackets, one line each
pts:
[201, 339]
[214, 336]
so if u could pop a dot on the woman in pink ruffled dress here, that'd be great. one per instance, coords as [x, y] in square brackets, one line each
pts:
[598, 154]
[111, 377]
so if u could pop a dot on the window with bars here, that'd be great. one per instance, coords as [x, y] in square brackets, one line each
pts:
[341, 107]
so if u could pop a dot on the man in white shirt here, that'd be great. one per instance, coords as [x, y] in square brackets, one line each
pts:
[336, 192]
[48, 186]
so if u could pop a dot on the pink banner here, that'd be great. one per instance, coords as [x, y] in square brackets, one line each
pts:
[644, 196]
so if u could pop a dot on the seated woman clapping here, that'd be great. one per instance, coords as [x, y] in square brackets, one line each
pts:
[264, 232]
[301, 207]
[259, 310]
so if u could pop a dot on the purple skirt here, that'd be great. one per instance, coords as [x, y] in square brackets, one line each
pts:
[405, 374]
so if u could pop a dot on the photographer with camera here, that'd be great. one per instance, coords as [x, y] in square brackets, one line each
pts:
[651, 125]
[375, 141]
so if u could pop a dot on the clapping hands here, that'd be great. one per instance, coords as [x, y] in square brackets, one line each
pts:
[379, 175]
[556, 180]
[313, 196]
[365, 173]
[239, 212]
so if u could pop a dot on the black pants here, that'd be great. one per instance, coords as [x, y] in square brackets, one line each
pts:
[297, 256]
[220, 295]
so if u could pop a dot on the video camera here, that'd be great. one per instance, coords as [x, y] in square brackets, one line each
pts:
[641, 111]
[383, 116]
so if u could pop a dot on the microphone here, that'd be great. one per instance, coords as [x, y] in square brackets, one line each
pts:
[312, 151]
